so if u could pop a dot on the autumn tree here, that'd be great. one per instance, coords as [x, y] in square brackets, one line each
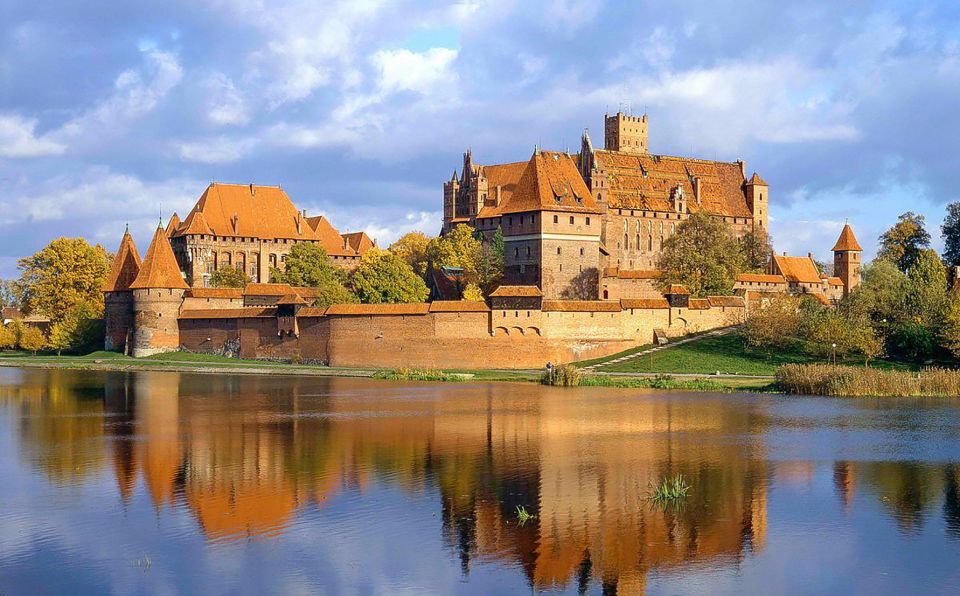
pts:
[702, 255]
[903, 242]
[66, 273]
[774, 326]
[383, 277]
[80, 330]
[473, 293]
[31, 339]
[308, 265]
[229, 277]
[457, 248]
[412, 248]
[756, 248]
[8, 339]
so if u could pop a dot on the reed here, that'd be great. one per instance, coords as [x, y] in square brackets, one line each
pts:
[851, 381]
[562, 375]
[669, 490]
[523, 516]
[415, 374]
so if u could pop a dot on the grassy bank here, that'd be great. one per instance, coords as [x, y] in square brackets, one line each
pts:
[727, 354]
[848, 381]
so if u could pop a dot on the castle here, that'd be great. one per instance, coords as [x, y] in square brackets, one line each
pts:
[581, 234]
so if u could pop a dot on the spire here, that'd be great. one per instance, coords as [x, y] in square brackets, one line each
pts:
[756, 179]
[585, 142]
[125, 267]
[159, 268]
[847, 241]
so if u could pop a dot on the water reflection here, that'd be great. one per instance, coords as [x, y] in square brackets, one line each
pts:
[250, 457]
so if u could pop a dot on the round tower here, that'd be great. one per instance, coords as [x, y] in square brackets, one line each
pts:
[118, 297]
[157, 296]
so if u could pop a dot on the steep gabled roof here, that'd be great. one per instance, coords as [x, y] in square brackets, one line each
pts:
[548, 181]
[797, 269]
[172, 225]
[248, 210]
[847, 241]
[358, 241]
[756, 179]
[159, 268]
[330, 238]
[125, 267]
[195, 224]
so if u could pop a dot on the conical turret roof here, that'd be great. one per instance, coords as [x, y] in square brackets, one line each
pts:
[847, 241]
[756, 179]
[125, 267]
[159, 268]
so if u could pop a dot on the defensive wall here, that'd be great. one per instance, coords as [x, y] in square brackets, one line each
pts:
[448, 334]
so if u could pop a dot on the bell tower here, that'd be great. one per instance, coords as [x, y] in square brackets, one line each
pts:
[846, 259]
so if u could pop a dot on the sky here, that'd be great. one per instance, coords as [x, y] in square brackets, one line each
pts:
[115, 113]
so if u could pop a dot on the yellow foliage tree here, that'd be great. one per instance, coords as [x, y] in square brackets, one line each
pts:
[472, 292]
[64, 275]
[457, 248]
[8, 339]
[31, 339]
[412, 248]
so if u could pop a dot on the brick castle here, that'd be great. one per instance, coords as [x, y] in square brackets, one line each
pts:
[581, 232]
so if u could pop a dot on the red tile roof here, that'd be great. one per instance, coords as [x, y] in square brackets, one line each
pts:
[847, 241]
[228, 313]
[718, 301]
[677, 290]
[379, 309]
[648, 303]
[458, 306]
[359, 242]
[548, 181]
[233, 293]
[515, 291]
[761, 278]
[125, 267]
[698, 304]
[159, 268]
[580, 306]
[291, 298]
[756, 179]
[646, 182]
[797, 269]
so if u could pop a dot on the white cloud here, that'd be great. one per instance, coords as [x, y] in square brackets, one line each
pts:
[225, 105]
[385, 233]
[403, 70]
[216, 150]
[18, 139]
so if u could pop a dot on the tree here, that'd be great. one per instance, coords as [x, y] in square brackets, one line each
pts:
[8, 293]
[473, 293]
[902, 243]
[490, 264]
[950, 232]
[950, 332]
[66, 273]
[8, 339]
[756, 248]
[229, 277]
[775, 326]
[457, 248]
[382, 278]
[308, 265]
[701, 255]
[31, 339]
[927, 298]
[881, 295]
[79, 331]
[412, 248]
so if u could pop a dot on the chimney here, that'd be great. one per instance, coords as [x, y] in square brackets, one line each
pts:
[696, 189]
[497, 197]
[234, 220]
[743, 168]
[810, 255]
[253, 189]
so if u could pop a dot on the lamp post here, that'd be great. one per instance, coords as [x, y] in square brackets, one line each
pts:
[834, 345]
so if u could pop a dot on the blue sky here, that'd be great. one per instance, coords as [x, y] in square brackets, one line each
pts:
[117, 112]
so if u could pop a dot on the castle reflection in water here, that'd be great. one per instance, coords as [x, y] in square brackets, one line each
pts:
[247, 455]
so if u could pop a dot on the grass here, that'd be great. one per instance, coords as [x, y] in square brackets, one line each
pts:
[413, 374]
[668, 382]
[669, 490]
[848, 381]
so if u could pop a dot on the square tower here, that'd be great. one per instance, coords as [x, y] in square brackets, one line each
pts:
[625, 133]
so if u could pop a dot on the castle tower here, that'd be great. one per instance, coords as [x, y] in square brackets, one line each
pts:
[758, 199]
[451, 189]
[625, 133]
[846, 259]
[157, 295]
[118, 298]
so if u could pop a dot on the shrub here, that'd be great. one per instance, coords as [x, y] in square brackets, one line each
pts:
[562, 375]
[847, 381]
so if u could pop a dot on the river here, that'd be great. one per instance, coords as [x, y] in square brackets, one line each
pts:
[157, 482]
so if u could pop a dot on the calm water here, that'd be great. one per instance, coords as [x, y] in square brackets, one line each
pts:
[177, 483]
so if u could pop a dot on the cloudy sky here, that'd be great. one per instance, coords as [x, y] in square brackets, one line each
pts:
[119, 112]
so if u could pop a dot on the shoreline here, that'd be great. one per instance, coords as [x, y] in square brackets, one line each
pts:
[675, 382]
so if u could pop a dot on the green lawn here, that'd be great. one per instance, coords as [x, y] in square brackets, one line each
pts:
[723, 353]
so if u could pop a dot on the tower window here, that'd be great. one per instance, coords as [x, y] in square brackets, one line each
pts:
[558, 250]
[571, 220]
[588, 221]
[556, 219]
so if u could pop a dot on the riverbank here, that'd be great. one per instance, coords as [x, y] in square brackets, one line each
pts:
[210, 364]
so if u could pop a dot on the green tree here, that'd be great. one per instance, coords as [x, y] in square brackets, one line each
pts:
[79, 331]
[8, 293]
[490, 265]
[412, 248]
[902, 243]
[927, 297]
[950, 232]
[383, 277]
[775, 326]
[308, 265]
[229, 277]
[31, 339]
[882, 293]
[8, 338]
[756, 248]
[66, 273]
[457, 248]
[950, 331]
[701, 255]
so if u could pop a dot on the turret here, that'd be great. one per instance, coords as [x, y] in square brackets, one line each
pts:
[451, 189]
[118, 297]
[846, 259]
[157, 295]
[586, 158]
[758, 199]
[626, 133]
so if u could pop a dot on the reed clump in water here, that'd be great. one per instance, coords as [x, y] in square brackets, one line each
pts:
[851, 381]
[562, 375]
[523, 516]
[670, 490]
